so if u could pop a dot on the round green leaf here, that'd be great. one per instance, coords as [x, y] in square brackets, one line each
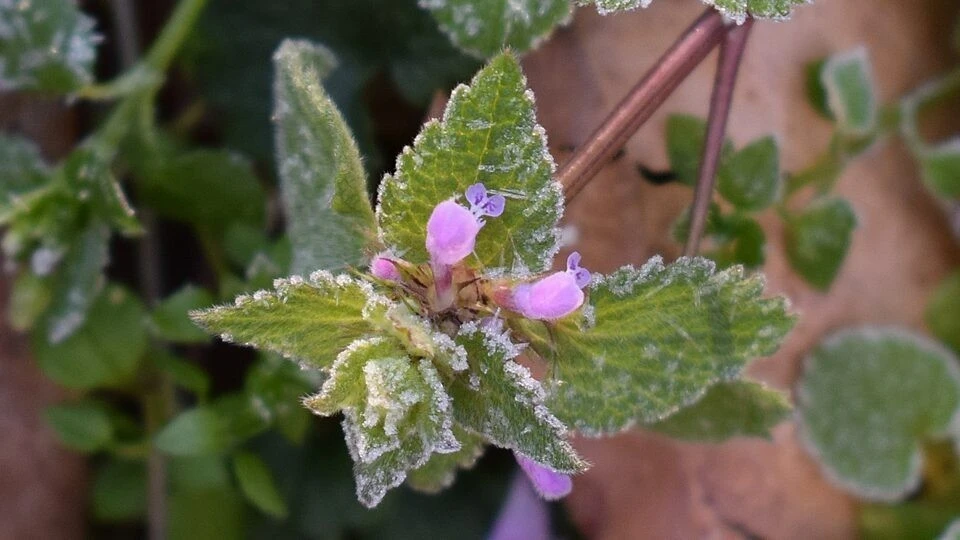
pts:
[82, 426]
[750, 179]
[817, 240]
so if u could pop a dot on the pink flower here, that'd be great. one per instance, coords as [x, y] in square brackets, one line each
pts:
[452, 229]
[554, 296]
[383, 267]
[550, 484]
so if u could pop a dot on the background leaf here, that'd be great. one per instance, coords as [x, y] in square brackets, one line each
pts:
[213, 428]
[848, 81]
[83, 426]
[489, 134]
[943, 312]
[120, 491]
[685, 135]
[21, 170]
[817, 240]
[750, 179]
[257, 484]
[171, 320]
[940, 168]
[868, 398]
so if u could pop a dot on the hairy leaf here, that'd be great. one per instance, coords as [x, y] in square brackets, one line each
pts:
[652, 340]
[485, 27]
[728, 409]
[440, 470]
[489, 134]
[818, 239]
[499, 399]
[329, 218]
[46, 45]
[848, 81]
[868, 398]
[750, 179]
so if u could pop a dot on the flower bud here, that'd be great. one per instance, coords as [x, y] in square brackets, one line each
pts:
[384, 268]
[554, 296]
[549, 484]
[451, 233]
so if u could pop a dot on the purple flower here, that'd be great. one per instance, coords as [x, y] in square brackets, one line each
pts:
[383, 267]
[524, 515]
[554, 296]
[550, 484]
[452, 229]
[482, 204]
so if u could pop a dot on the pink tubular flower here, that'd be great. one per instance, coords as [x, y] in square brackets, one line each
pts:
[382, 267]
[524, 515]
[554, 296]
[452, 229]
[549, 484]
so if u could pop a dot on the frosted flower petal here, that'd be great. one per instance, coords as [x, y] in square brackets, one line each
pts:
[549, 484]
[451, 233]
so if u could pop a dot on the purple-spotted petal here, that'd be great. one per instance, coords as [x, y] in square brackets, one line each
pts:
[383, 268]
[494, 206]
[451, 233]
[553, 297]
[549, 484]
[476, 194]
[580, 275]
[573, 261]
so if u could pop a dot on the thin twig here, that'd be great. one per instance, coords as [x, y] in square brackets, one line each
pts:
[642, 101]
[731, 52]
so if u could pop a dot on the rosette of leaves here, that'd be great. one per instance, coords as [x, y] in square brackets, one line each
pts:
[424, 385]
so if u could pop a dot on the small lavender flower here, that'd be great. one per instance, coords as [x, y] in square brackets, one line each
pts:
[452, 229]
[524, 515]
[482, 204]
[549, 484]
[554, 296]
[383, 267]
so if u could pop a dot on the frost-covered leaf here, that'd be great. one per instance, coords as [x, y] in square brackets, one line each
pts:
[729, 409]
[651, 341]
[83, 426]
[848, 81]
[943, 312]
[396, 413]
[485, 27]
[87, 175]
[940, 168]
[868, 398]
[489, 134]
[105, 350]
[119, 491]
[818, 238]
[953, 531]
[78, 283]
[735, 9]
[440, 470]
[499, 399]
[750, 179]
[257, 484]
[171, 321]
[685, 135]
[329, 218]
[21, 170]
[310, 320]
[45, 45]
[213, 428]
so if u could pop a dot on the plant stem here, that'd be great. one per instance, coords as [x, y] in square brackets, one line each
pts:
[642, 101]
[731, 53]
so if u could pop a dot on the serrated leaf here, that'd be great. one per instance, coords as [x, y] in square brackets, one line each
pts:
[750, 178]
[685, 136]
[484, 28]
[817, 240]
[45, 45]
[440, 470]
[310, 320]
[212, 429]
[652, 340]
[84, 426]
[489, 134]
[868, 398]
[848, 81]
[500, 400]
[728, 409]
[940, 168]
[396, 413]
[943, 312]
[330, 220]
[171, 321]
[21, 169]
[106, 350]
[257, 484]
[735, 9]
[120, 491]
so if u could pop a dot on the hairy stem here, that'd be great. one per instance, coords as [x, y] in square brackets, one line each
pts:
[642, 101]
[731, 52]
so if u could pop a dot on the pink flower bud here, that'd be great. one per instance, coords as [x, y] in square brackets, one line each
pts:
[554, 296]
[383, 268]
[451, 233]
[549, 484]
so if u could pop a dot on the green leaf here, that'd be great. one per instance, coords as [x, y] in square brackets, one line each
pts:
[868, 398]
[170, 182]
[84, 426]
[735, 9]
[736, 238]
[848, 81]
[212, 429]
[206, 513]
[816, 92]
[817, 240]
[396, 413]
[329, 218]
[170, 319]
[652, 341]
[489, 134]
[310, 320]
[78, 283]
[184, 373]
[21, 169]
[278, 386]
[257, 484]
[940, 168]
[440, 470]
[952, 532]
[499, 399]
[484, 27]
[87, 174]
[47, 46]
[750, 179]
[29, 299]
[685, 136]
[120, 491]
[106, 350]
[729, 409]
[943, 312]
